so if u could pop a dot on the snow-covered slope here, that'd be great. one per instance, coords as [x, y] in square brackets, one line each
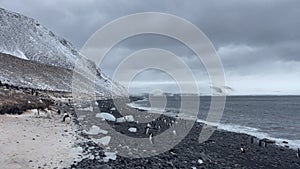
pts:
[25, 38]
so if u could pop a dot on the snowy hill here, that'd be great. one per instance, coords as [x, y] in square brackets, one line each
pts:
[27, 39]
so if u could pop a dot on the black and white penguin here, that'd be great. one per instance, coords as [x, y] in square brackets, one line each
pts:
[67, 118]
[151, 138]
[148, 128]
[298, 153]
[261, 143]
[243, 150]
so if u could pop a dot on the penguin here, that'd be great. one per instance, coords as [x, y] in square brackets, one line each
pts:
[252, 140]
[174, 132]
[151, 138]
[243, 150]
[148, 128]
[298, 153]
[148, 125]
[147, 131]
[260, 143]
[67, 118]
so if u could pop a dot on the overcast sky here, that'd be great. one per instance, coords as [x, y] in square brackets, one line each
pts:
[257, 41]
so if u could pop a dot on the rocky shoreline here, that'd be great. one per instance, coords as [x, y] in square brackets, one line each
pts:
[223, 150]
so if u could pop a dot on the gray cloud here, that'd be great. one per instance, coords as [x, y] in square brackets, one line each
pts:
[256, 40]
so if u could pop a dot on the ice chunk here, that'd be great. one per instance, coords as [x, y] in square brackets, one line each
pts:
[128, 118]
[132, 129]
[200, 161]
[87, 109]
[103, 141]
[106, 116]
[95, 130]
[110, 156]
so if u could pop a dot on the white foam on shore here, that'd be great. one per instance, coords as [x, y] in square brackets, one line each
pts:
[294, 144]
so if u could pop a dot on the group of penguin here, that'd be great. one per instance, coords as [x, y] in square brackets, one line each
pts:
[263, 143]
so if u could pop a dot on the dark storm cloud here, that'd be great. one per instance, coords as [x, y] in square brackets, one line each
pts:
[255, 39]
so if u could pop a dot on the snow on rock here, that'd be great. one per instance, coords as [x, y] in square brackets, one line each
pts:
[106, 116]
[95, 130]
[200, 161]
[132, 129]
[113, 109]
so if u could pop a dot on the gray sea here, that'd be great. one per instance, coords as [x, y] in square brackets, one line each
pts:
[273, 117]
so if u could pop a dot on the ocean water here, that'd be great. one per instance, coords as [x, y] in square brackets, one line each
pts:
[273, 117]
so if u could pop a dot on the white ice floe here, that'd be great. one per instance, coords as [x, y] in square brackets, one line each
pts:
[110, 156]
[106, 116]
[103, 141]
[132, 129]
[95, 130]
